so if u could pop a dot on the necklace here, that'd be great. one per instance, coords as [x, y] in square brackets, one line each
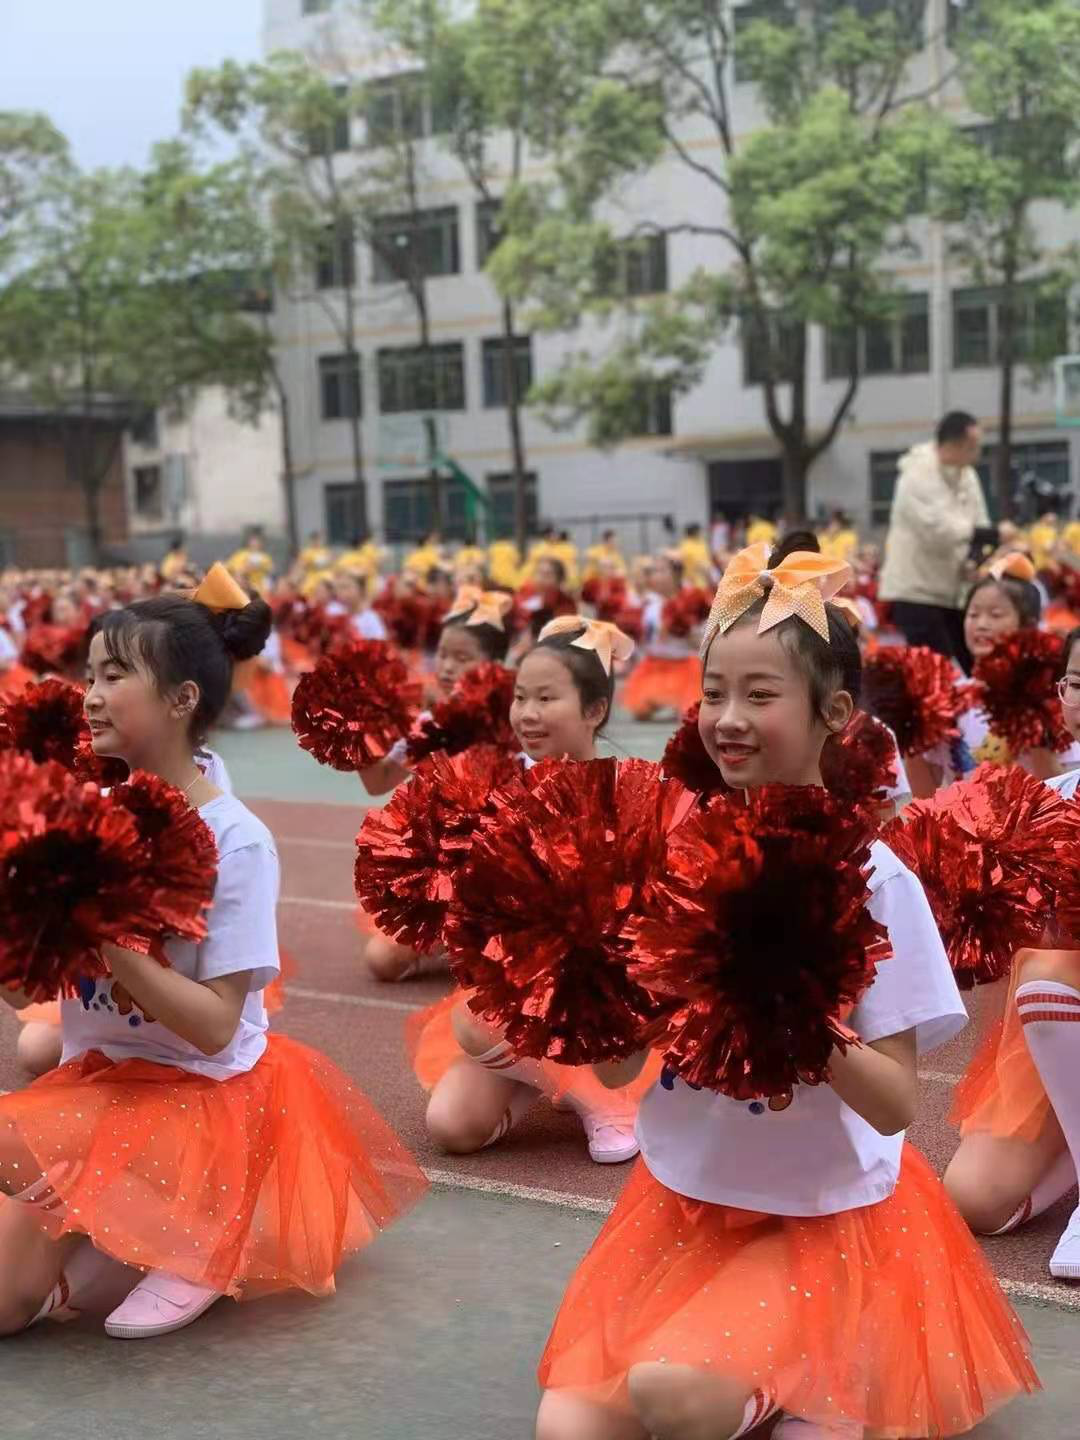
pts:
[188, 788]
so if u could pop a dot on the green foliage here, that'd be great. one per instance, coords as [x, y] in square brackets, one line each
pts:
[30, 148]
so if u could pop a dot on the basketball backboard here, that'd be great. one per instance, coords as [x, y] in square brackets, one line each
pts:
[1067, 390]
[411, 442]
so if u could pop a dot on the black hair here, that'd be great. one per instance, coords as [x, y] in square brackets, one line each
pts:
[829, 666]
[794, 541]
[678, 569]
[591, 681]
[1073, 638]
[954, 426]
[177, 639]
[495, 643]
[560, 568]
[437, 574]
[693, 530]
[176, 543]
[1022, 595]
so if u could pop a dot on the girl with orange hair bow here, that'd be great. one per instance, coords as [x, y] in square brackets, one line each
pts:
[768, 1254]
[479, 1088]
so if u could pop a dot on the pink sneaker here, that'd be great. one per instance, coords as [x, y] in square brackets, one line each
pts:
[159, 1304]
[791, 1428]
[611, 1137]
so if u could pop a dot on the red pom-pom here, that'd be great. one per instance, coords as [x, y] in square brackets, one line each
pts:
[45, 721]
[685, 611]
[996, 855]
[179, 861]
[355, 705]
[914, 692]
[409, 851]
[758, 931]
[476, 713]
[53, 649]
[536, 922]
[687, 760]
[319, 632]
[69, 877]
[859, 766]
[1016, 685]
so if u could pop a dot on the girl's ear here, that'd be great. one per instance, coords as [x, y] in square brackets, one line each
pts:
[596, 712]
[186, 700]
[838, 711]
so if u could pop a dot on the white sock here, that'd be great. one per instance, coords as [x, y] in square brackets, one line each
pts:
[759, 1408]
[1058, 1181]
[1048, 1011]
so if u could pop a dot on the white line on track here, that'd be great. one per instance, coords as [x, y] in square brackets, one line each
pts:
[317, 904]
[1061, 1297]
[331, 997]
[451, 1180]
[315, 843]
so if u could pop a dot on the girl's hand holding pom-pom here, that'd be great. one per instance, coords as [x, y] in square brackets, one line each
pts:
[476, 713]
[355, 705]
[758, 936]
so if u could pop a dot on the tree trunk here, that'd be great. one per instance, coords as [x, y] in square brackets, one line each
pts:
[513, 420]
[78, 442]
[1002, 477]
[793, 482]
[288, 477]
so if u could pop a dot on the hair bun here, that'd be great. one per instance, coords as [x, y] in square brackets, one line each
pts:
[244, 632]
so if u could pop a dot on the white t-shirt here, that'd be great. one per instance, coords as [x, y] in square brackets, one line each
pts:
[817, 1157]
[982, 746]
[1066, 784]
[662, 647]
[242, 937]
[213, 767]
[900, 793]
[368, 625]
[9, 651]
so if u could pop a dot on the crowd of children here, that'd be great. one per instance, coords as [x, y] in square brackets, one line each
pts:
[789, 1256]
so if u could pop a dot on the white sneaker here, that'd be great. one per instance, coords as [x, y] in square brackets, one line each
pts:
[611, 1137]
[159, 1304]
[792, 1428]
[1065, 1261]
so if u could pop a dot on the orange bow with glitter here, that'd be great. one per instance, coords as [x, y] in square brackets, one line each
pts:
[850, 609]
[219, 591]
[1017, 566]
[606, 640]
[488, 607]
[799, 586]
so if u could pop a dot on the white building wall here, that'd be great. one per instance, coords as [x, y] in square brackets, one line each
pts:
[723, 420]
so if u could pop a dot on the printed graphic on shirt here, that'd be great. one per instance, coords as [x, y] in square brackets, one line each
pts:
[109, 995]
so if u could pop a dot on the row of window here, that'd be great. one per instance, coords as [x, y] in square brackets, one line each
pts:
[427, 244]
[409, 512]
[900, 343]
[411, 378]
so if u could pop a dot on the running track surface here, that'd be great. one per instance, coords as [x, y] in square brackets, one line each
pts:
[332, 1005]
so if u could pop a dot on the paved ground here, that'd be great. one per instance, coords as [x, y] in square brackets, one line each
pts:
[435, 1330]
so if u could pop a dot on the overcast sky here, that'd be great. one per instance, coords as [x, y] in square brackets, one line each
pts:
[110, 73]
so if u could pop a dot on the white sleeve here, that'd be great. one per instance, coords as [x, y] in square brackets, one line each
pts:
[369, 626]
[8, 651]
[914, 988]
[213, 767]
[242, 921]
[900, 793]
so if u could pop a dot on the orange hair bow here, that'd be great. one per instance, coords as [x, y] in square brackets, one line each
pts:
[489, 607]
[850, 609]
[1017, 566]
[607, 640]
[219, 591]
[799, 586]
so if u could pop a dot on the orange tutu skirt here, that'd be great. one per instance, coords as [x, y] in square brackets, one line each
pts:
[262, 1182]
[433, 1048]
[1001, 1092]
[269, 694]
[296, 656]
[657, 684]
[888, 1316]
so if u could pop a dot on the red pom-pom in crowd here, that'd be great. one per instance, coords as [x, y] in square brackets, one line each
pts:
[1016, 685]
[355, 705]
[685, 611]
[859, 765]
[50, 649]
[45, 721]
[913, 691]
[476, 713]
[997, 856]
[759, 937]
[538, 912]
[686, 759]
[409, 851]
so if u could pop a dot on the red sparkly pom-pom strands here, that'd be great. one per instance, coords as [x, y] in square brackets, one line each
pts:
[913, 691]
[476, 713]
[45, 721]
[50, 648]
[997, 856]
[355, 705]
[1016, 686]
[535, 926]
[859, 765]
[687, 760]
[409, 851]
[758, 935]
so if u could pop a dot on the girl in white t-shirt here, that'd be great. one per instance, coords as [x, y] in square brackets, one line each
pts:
[177, 1136]
[479, 1088]
[475, 632]
[792, 1254]
[1018, 1106]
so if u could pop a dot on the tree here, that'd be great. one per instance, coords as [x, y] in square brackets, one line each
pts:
[490, 74]
[30, 147]
[1019, 63]
[800, 215]
[71, 317]
[216, 255]
[288, 120]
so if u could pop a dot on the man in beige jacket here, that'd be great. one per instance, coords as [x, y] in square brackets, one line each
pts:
[936, 510]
